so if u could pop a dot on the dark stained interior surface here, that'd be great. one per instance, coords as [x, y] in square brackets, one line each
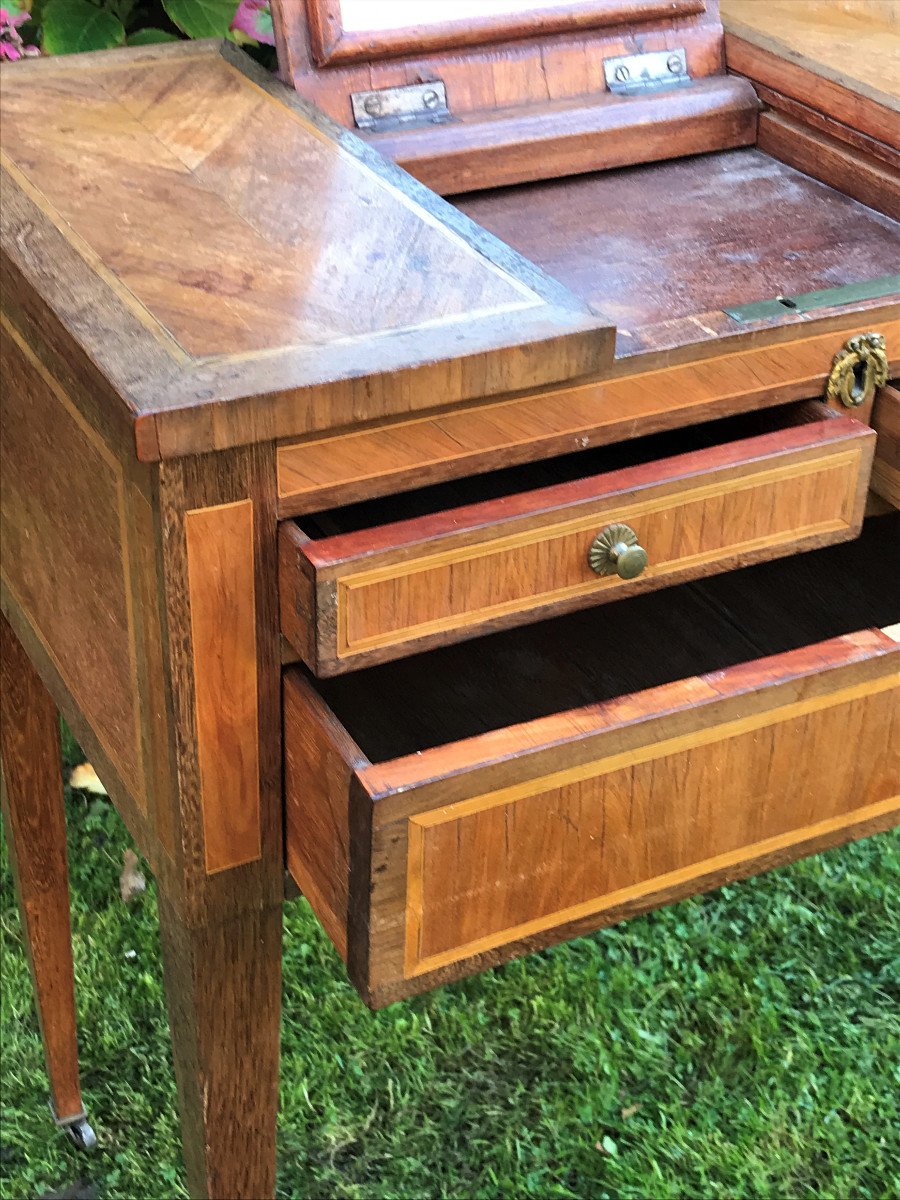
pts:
[454, 493]
[669, 240]
[600, 653]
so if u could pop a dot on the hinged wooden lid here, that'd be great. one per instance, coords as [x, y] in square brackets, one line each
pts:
[517, 90]
[840, 58]
[237, 267]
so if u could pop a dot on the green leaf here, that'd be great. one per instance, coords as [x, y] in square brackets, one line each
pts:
[149, 37]
[201, 18]
[74, 25]
[37, 12]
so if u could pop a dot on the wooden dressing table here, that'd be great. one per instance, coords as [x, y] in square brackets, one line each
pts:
[286, 435]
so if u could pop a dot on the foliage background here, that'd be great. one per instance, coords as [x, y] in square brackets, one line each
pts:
[70, 26]
[741, 1044]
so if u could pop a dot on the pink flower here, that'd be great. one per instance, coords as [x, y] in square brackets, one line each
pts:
[14, 19]
[254, 19]
[12, 47]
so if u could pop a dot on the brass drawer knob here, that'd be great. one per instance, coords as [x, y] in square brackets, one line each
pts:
[615, 551]
[859, 367]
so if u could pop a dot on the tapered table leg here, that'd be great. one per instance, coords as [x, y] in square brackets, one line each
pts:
[223, 985]
[36, 832]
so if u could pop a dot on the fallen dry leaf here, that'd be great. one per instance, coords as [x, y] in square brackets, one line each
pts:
[131, 882]
[630, 1111]
[84, 779]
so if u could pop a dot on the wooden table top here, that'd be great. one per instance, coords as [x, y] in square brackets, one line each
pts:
[207, 239]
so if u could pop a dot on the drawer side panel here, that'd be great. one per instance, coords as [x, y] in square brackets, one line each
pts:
[319, 762]
[886, 465]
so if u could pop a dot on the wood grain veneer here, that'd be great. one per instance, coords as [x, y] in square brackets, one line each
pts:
[197, 265]
[223, 627]
[319, 763]
[354, 598]
[506, 865]
[332, 43]
[852, 170]
[840, 59]
[748, 228]
[487, 76]
[527, 92]
[66, 550]
[830, 74]
[886, 464]
[342, 467]
[569, 137]
[823, 123]
[220, 909]
[131, 177]
[460, 853]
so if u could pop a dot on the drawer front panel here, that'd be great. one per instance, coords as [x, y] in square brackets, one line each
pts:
[502, 867]
[694, 527]
[545, 831]
[355, 599]
[340, 468]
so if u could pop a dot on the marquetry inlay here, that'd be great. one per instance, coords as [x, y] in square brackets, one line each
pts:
[223, 625]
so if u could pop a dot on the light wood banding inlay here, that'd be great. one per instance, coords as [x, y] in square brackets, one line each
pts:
[388, 590]
[223, 627]
[507, 865]
[207, 212]
[338, 468]
[701, 524]
[66, 551]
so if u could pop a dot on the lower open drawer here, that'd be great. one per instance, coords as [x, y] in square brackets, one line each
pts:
[451, 810]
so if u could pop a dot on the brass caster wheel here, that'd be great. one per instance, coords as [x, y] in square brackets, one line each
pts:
[82, 1134]
[78, 1129]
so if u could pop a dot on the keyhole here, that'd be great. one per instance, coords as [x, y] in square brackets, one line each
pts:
[860, 382]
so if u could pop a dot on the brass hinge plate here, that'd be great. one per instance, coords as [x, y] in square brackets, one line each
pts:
[635, 74]
[399, 107]
[851, 293]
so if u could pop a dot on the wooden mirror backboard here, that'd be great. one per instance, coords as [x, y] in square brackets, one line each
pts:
[512, 91]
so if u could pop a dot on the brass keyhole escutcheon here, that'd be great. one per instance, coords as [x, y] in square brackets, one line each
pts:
[615, 551]
[859, 368]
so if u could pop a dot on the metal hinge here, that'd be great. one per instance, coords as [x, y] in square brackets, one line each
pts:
[634, 74]
[396, 107]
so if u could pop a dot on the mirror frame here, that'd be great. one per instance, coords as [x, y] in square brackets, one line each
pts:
[331, 45]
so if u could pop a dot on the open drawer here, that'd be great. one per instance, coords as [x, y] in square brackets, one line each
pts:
[454, 809]
[359, 586]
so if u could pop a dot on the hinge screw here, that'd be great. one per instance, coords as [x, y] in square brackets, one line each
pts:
[431, 99]
[372, 105]
[674, 64]
[621, 74]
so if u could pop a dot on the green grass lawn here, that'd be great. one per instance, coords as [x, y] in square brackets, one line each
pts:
[745, 1043]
